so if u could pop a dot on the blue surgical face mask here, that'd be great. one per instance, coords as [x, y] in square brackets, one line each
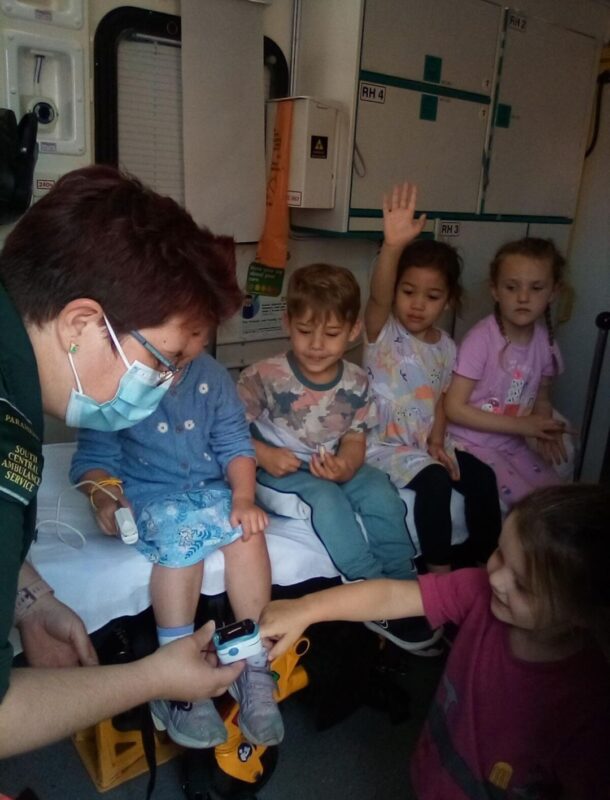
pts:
[140, 391]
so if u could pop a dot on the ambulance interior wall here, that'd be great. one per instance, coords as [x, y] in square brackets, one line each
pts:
[589, 254]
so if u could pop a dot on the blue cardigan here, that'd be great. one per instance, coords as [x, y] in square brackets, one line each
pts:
[186, 444]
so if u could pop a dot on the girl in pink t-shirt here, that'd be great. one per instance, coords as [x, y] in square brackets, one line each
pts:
[523, 707]
[499, 396]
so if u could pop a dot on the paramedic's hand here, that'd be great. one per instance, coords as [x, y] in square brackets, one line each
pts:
[284, 621]
[278, 461]
[438, 453]
[251, 518]
[187, 669]
[399, 224]
[331, 468]
[52, 635]
[540, 427]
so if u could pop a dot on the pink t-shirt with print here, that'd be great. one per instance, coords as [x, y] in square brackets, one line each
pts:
[501, 727]
[508, 376]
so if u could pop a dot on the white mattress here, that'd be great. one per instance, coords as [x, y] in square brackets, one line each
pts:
[106, 579]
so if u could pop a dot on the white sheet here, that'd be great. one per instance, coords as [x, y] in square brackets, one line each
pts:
[108, 579]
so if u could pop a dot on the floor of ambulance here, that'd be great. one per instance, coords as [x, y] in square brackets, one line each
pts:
[363, 757]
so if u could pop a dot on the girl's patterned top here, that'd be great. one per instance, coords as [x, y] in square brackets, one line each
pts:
[407, 378]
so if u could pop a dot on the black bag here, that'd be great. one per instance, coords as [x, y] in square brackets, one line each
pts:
[18, 155]
[348, 666]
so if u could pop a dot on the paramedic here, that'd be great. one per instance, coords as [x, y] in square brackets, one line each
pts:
[98, 257]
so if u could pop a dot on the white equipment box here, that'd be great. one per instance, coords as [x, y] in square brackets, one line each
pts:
[313, 151]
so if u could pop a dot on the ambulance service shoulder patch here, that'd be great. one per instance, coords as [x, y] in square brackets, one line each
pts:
[20, 455]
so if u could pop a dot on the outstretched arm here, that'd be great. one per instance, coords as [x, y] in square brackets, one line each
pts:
[399, 229]
[285, 620]
[70, 699]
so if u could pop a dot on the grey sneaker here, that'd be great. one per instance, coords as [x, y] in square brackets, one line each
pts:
[259, 717]
[189, 724]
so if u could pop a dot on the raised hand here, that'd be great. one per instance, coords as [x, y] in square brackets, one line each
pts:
[399, 224]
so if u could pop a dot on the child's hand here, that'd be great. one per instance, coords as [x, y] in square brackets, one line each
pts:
[251, 518]
[399, 225]
[330, 467]
[438, 453]
[540, 427]
[279, 461]
[283, 621]
[105, 506]
[552, 451]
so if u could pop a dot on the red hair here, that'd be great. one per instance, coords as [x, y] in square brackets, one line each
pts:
[103, 235]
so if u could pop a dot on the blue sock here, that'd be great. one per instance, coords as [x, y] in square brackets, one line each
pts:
[167, 635]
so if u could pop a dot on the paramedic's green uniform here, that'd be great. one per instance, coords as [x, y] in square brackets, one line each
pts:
[21, 422]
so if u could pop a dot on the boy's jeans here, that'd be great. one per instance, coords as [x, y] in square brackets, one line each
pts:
[388, 553]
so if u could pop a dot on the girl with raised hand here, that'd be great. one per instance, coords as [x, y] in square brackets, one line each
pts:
[409, 362]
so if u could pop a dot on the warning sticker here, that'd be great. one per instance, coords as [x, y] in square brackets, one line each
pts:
[319, 147]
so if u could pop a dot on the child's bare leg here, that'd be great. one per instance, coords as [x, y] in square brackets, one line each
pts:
[175, 594]
[248, 576]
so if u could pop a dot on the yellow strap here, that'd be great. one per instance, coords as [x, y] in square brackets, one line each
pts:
[104, 482]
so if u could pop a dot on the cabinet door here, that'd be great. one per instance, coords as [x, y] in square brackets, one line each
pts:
[542, 119]
[436, 142]
[477, 243]
[425, 89]
[449, 42]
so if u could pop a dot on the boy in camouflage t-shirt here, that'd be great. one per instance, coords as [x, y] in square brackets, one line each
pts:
[310, 411]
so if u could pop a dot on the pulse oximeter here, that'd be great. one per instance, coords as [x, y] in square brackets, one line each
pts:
[237, 641]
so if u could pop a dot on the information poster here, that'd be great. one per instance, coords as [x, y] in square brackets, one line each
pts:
[260, 318]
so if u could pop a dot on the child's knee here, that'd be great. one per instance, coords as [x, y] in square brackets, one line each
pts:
[378, 481]
[486, 479]
[436, 483]
[327, 497]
